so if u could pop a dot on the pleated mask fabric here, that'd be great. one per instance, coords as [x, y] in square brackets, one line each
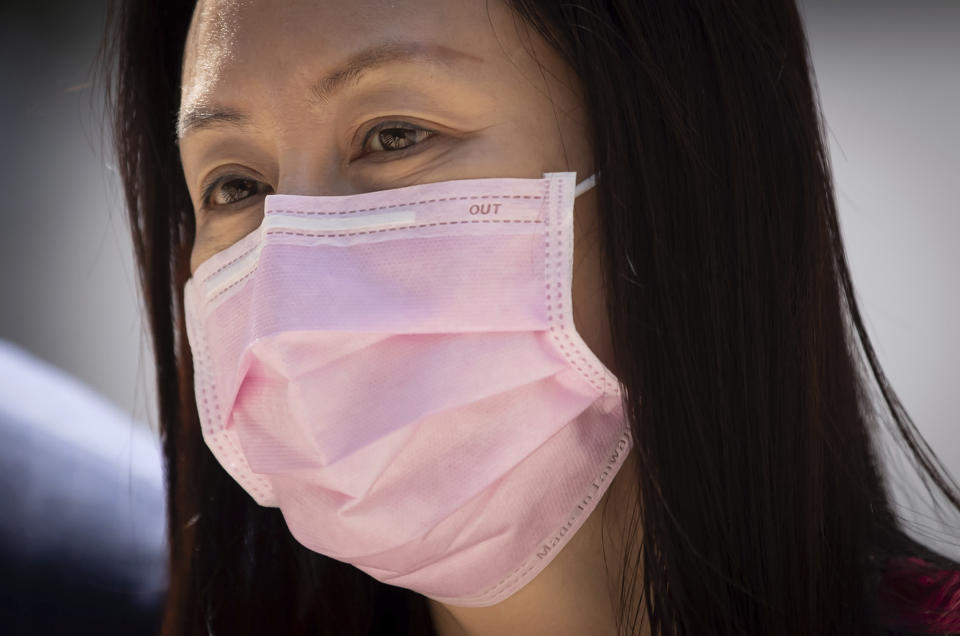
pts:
[399, 372]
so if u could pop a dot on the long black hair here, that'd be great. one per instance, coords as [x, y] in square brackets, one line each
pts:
[762, 507]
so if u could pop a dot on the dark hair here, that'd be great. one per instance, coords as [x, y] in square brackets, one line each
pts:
[762, 507]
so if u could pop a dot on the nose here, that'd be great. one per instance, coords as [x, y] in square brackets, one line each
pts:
[313, 176]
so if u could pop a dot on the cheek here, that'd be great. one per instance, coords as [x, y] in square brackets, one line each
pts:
[198, 255]
[217, 233]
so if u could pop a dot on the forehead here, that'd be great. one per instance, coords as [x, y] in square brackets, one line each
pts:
[231, 42]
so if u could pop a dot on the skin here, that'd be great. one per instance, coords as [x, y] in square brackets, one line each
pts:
[506, 106]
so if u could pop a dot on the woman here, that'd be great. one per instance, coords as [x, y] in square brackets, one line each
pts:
[387, 408]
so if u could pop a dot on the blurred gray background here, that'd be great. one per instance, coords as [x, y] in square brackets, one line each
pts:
[889, 77]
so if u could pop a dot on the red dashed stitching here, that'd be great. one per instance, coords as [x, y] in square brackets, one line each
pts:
[398, 205]
[405, 227]
[226, 265]
[216, 436]
[386, 229]
[591, 372]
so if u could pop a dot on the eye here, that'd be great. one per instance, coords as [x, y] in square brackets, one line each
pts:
[393, 136]
[230, 189]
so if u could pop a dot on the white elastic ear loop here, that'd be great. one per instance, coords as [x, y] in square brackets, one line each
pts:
[585, 185]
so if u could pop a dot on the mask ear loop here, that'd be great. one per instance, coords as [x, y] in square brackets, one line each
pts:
[585, 185]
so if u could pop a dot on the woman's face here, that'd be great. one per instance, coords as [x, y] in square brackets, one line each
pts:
[349, 96]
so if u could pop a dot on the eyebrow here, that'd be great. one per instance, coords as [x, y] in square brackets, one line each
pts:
[324, 89]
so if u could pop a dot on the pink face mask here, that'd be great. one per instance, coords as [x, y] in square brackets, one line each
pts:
[399, 372]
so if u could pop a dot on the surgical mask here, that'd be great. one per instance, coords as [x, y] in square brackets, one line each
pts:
[399, 372]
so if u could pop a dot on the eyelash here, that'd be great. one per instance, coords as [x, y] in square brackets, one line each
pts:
[208, 190]
[396, 125]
